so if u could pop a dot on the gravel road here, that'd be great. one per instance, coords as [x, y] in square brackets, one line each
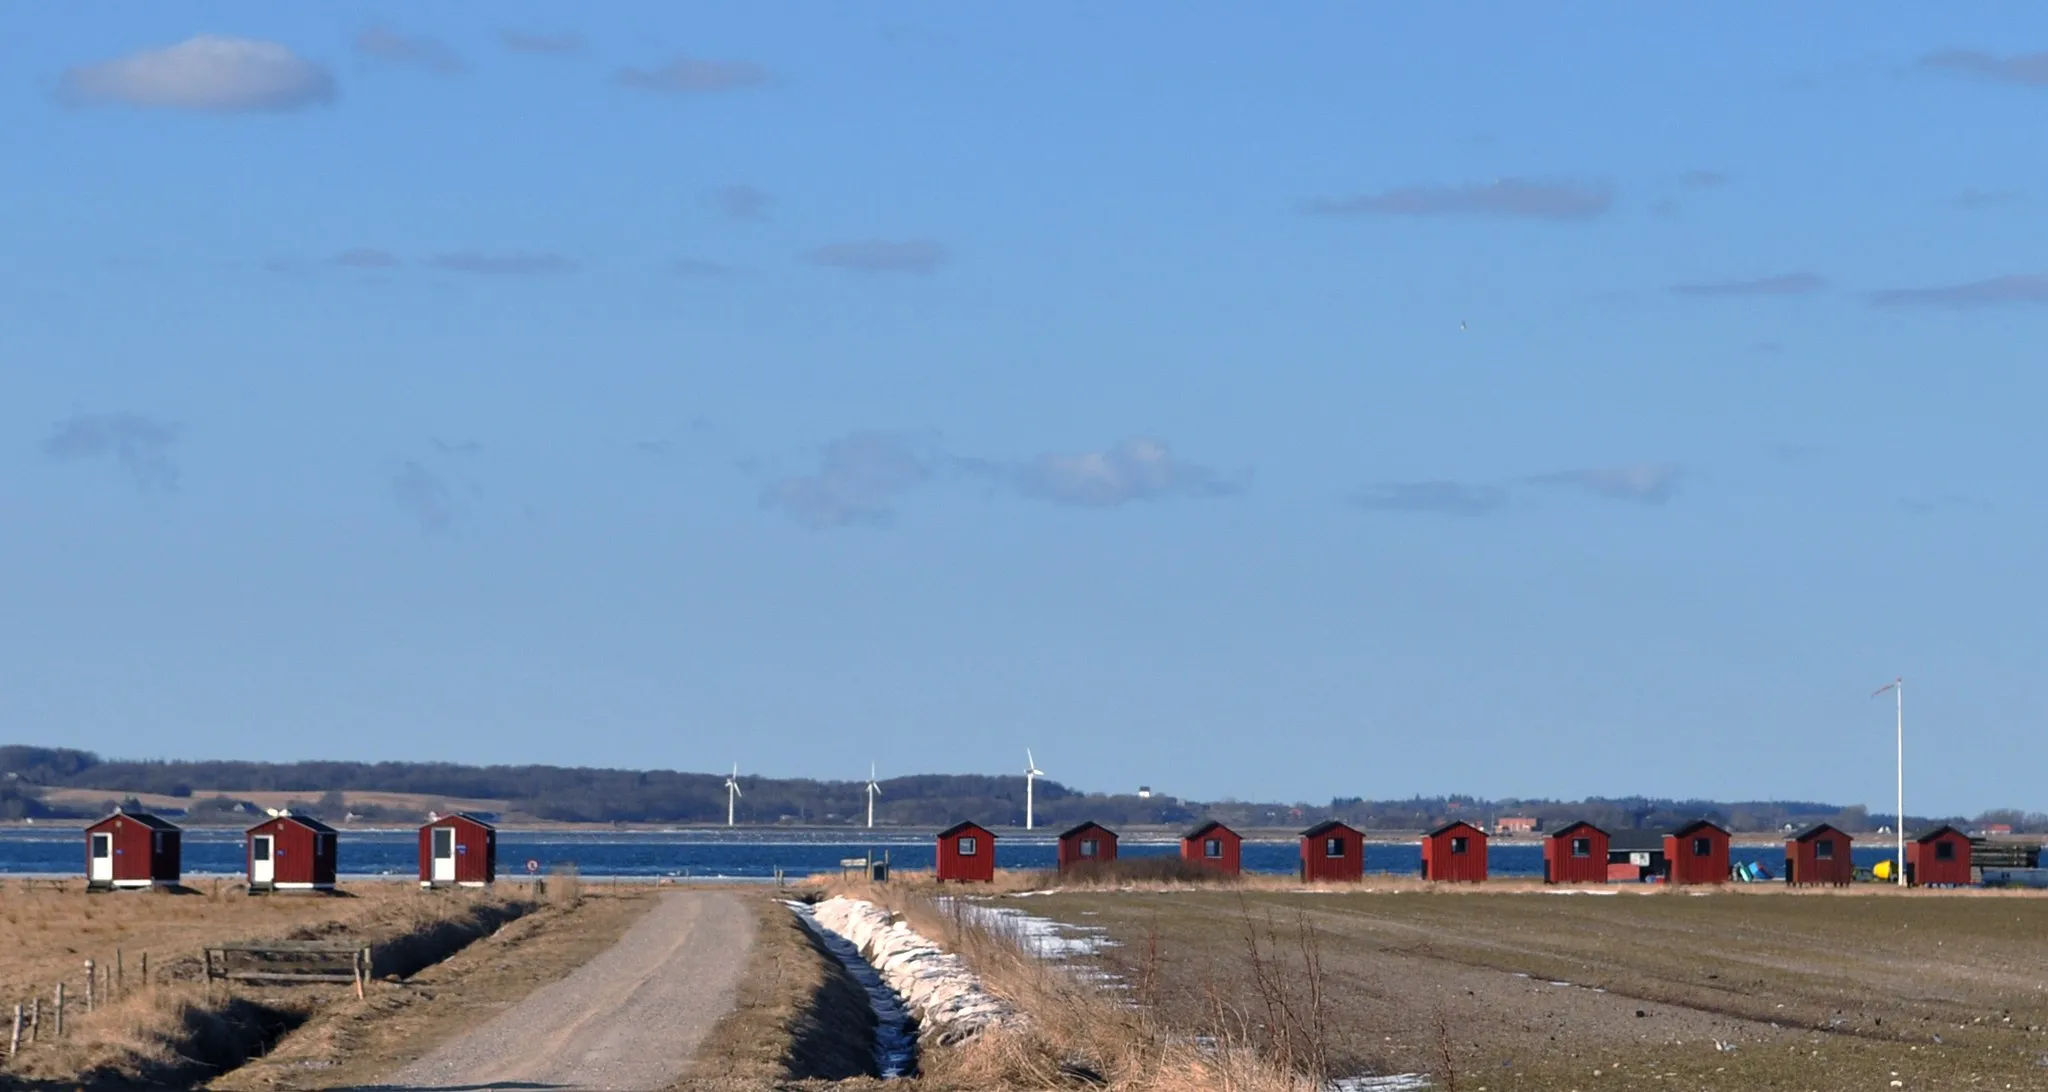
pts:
[627, 1020]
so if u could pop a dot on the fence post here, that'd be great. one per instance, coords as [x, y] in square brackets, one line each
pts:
[120, 978]
[35, 1018]
[145, 970]
[14, 1040]
[91, 984]
[60, 1010]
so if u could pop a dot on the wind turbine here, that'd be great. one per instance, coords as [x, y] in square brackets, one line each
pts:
[732, 794]
[874, 790]
[1031, 774]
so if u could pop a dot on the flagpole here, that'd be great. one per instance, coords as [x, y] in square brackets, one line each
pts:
[1899, 693]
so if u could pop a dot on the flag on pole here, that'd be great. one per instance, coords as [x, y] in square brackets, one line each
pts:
[1887, 688]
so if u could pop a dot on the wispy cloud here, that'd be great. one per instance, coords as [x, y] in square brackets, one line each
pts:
[1945, 502]
[858, 481]
[741, 202]
[391, 47]
[1515, 198]
[686, 75]
[1978, 200]
[1783, 284]
[1639, 483]
[565, 44]
[1133, 470]
[881, 256]
[208, 73]
[516, 263]
[2018, 288]
[1443, 497]
[693, 267]
[1703, 180]
[139, 445]
[363, 257]
[2027, 69]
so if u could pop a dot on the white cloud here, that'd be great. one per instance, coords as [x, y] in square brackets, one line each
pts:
[882, 256]
[1641, 483]
[858, 479]
[1136, 469]
[385, 44]
[688, 76]
[141, 445]
[207, 72]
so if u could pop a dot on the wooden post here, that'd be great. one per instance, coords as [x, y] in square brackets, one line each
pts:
[14, 1040]
[60, 1010]
[120, 986]
[92, 979]
[145, 970]
[35, 1018]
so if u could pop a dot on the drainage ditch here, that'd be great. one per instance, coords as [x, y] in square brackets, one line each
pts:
[895, 1045]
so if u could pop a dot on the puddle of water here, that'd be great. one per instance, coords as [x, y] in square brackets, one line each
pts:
[895, 1044]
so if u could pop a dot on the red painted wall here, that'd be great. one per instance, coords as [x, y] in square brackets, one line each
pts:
[1688, 866]
[1804, 865]
[476, 849]
[976, 867]
[1441, 861]
[1319, 866]
[1070, 845]
[1927, 867]
[300, 854]
[138, 853]
[1560, 866]
[1194, 848]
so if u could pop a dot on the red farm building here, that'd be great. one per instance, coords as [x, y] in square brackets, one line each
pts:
[1332, 852]
[1819, 855]
[131, 849]
[1939, 857]
[1214, 845]
[967, 853]
[1697, 853]
[1454, 852]
[291, 853]
[458, 850]
[1575, 853]
[1089, 843]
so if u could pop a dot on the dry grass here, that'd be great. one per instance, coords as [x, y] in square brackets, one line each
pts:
[1076, 1034]
[172, 1023]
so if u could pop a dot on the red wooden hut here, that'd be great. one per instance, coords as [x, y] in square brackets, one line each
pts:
[1215, 846]
[1332, 852]
[1697, 853]
[1575, 853]
[1819, 855]
[458, 850]
[1089, 843]
[1938, 857]
[131, 849]
[1454, 852]
[291, 853]
[967, 853]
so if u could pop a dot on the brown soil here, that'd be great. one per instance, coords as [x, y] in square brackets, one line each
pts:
[1537, 991]
[354, 1044]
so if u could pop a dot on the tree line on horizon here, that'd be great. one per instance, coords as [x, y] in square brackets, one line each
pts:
[593, 795]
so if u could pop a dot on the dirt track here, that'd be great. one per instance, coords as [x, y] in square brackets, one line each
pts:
[629, 1019]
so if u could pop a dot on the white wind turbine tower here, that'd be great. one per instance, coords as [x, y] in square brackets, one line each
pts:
[1031, 773]
[732, 794]
[874, 790]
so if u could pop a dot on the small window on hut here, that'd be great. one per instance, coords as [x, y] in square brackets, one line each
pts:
[1212, 847]
[967, 845]
[1824, 849]
[1333, 847]
[260, 849]
[1457, 843]
[158, 841]
[102, 846]
[1703, 847]
[1089, 847]
[1944, 851]
[1582, 847]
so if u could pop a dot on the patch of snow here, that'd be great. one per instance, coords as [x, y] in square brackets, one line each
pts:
[895, 1042]
[948, 998]
[1397, 1082]
[1042, 937]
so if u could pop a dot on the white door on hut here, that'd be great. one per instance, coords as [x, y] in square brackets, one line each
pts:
[261, 868]
[444, 855]
[102, 870]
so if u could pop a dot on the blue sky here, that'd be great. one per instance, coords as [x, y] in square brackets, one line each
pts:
[1336, 401]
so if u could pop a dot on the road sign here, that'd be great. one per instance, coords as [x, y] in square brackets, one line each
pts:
[532, 866]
